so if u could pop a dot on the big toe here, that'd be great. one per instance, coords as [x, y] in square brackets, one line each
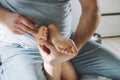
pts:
[42, 42]
[44, 32]
[74, 51]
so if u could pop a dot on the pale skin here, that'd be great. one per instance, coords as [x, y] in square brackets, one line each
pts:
[68, 73]
[20, 25]
[54, 62]
[17, 23]
[61, 43]
[87, 26]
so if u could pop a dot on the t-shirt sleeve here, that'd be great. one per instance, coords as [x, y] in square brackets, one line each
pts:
[0, 4]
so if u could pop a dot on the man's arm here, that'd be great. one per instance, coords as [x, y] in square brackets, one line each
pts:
[88, 22]
[52, 63]
[17, 23]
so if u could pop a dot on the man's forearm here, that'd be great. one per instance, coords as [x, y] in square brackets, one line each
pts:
[52, 72]
[87, 25]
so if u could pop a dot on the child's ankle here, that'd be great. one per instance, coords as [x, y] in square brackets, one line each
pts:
[53, 27]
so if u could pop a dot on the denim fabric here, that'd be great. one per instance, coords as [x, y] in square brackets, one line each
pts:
[44, 13]
[96, 59]
[19, 63]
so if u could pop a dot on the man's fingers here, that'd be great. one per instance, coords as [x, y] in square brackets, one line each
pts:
[27, 23]
[21, 31]
[43, 53]
[31, 19]
[50, 46]
[18, 30]
[27, 29]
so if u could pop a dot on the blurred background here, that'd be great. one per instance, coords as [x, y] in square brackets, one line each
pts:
[109, 27]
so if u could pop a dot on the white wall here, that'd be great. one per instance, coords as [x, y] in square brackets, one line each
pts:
[110, 6]
[76, 11]
[109, 25]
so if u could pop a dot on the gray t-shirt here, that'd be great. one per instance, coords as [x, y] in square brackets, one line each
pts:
[44, 12]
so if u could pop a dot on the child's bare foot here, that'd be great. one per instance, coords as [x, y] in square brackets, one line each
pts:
[64, 45]
[61, 43]
[42, 35]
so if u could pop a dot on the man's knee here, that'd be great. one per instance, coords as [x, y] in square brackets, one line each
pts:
[24, 67]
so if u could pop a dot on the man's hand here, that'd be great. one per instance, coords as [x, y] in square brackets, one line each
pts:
[53, 57]
[17, 23]
[52, 61]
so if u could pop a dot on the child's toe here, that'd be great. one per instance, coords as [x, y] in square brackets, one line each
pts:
[45, 37]
[63, 50]
[42, 42]
[66, 51]
[74, 50]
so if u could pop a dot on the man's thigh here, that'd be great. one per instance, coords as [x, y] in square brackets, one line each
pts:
[95, 59]
[20, 64]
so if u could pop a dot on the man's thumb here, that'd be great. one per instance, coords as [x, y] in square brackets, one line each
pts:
[49, 46]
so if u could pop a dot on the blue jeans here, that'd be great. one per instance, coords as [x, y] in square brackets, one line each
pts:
[19, 63]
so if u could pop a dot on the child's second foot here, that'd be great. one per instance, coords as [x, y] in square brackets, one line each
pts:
[61, 43]
[42, 35]
[66, 46]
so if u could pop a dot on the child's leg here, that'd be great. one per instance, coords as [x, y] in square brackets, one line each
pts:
[68, 72]
[61, 43]
[54, 34]
[41, 36]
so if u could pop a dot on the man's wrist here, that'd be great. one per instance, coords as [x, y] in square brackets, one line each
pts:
[3, 14]
[77, 42]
